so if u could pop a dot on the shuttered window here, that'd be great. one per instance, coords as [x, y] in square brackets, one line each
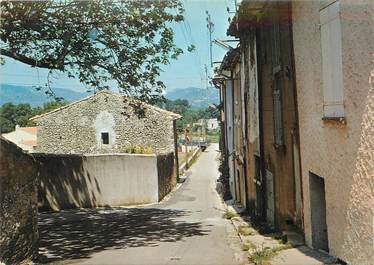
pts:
[277, 108]
[332, 73]
[277, 87]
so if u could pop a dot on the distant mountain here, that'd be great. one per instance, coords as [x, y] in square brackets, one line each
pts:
[26, 94]
[197, 97]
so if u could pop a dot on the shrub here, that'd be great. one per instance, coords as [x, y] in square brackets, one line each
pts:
[229, 215]
[134, 149]
[246, 230]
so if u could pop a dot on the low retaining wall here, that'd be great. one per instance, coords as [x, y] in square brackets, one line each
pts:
[18, 204]
[190, 161]
[85, 181]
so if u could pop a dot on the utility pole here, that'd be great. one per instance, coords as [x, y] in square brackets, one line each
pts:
[206, 77]
[210, 27]
[187, 140]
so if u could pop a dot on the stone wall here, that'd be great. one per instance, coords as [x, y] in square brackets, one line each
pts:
[76, 181]
[167, 170]
[342, 154]
[77, 128]
[18, 204]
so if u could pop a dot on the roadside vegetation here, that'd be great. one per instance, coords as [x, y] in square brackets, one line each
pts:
[135, 149]
[248, 245]
[246, 230]
[229, 215]
[264, 255]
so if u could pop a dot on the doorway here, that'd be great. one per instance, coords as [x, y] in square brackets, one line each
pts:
[318, 212]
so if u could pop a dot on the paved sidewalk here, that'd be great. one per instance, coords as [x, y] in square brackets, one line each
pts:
[268, 249]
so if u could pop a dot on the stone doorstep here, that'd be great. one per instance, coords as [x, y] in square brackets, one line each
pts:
[297, 255]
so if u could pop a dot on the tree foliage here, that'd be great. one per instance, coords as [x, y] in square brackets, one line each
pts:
[95, 41]
[12, 115]
[189, 114]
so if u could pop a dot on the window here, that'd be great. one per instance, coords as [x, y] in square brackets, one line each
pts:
[277, 88]
[105, 138]
[332, 72]
[277, 110]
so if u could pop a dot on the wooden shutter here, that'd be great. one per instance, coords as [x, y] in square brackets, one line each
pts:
[277, 88]
[276, 60]
[277, 110]
[332, 72]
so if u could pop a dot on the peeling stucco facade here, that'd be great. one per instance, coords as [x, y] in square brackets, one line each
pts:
[78, 127]
[342, 154]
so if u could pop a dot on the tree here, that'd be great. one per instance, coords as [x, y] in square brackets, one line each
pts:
[7, 117]
[179, 106]
[95, 41]
[49, 106]
[189, 115]
[12, 115]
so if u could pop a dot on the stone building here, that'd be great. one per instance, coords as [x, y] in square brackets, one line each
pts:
[106, 123]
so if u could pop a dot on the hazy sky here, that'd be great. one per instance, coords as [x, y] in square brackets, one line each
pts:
[187, 71]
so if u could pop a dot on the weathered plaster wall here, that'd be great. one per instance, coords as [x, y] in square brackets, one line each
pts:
[341, 154]
[250, 67]
[77, 129]
[229, 133]
[71, 181]
[18, 204]
[239, 176]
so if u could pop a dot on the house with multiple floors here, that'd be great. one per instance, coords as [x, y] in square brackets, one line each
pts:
[298, 122]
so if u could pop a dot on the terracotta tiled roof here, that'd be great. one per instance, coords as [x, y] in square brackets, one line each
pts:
[31, 130]
[30, 142]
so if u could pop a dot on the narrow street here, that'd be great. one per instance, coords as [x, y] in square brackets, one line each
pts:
[187, 228]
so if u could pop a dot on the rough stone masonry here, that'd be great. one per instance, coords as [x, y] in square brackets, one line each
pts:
[105, 123]
[18, 204]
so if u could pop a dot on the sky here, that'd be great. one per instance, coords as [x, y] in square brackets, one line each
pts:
[187, 71]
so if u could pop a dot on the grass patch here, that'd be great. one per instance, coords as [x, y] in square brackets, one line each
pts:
[263, 256]
[229, 215]
[246, 230]
[248, 246]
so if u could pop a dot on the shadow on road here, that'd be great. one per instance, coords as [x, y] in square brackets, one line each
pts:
[78, 234]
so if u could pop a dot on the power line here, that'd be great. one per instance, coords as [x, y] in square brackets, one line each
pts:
[196, 54]
[210, 27]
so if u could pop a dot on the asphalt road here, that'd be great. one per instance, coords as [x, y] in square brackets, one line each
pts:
[187, 228]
